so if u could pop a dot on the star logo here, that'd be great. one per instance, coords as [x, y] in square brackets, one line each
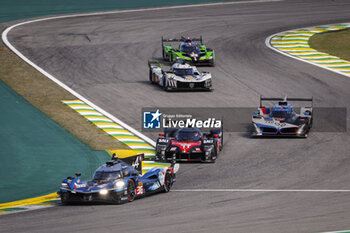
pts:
[156, 115]
[152, 120]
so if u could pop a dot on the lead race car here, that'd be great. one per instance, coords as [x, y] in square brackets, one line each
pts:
[281, 119]
[180, 76]
[189, 50]
[119, 181]
[189, 144]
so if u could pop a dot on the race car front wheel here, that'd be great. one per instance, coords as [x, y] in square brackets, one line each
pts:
[131, 191]
[151, 76]
[168, 182]
[65, 196]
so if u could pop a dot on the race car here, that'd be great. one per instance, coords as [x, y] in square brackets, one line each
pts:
[281, 119]
[119, 181]
[189, 144]
[180, 76]
[189, 50]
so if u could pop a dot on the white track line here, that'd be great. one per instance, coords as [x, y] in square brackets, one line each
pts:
[264, 190]
[343, 231]
[115, 119]
[267, 43]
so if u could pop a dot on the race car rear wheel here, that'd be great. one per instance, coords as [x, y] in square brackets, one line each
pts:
[163, 54]
[168, 182]
[131, 191]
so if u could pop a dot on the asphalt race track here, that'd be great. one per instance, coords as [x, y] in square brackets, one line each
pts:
[104, 58]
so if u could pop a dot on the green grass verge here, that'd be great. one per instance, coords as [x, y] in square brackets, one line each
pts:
[46, 95]
[333, 43]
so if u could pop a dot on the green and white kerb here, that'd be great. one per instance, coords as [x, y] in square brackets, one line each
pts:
[296, 43]
[113, 129]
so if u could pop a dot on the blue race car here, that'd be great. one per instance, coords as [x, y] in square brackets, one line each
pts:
[119, 181]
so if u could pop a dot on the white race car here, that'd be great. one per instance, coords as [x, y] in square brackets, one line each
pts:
[281, 119]
[181, 76]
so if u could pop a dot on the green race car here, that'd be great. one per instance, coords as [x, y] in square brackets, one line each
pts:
[189, 50]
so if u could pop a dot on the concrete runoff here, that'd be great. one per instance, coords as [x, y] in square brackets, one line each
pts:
[111, 70]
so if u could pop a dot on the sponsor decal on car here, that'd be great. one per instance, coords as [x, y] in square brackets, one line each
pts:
[208, 141]
[76, 186]
[163, 140]
[186, 146]
[102, 185]
[139, 190]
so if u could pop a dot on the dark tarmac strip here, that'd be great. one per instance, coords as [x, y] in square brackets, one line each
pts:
[104, 58]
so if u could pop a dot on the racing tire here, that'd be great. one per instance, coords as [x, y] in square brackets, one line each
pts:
[151, 76]
[163, 54]
[131, 191]
[168, 182]
[221, 141]
[211, 63]
[65, 197]
[214, 154]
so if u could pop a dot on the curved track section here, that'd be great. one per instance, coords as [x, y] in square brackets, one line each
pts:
[104, 58]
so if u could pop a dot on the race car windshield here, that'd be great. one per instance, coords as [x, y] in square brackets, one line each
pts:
[182, 72]
[107, 176]
[186, 48]
[281, 114]
[188, 136]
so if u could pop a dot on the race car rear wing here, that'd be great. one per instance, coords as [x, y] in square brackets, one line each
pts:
[138, 162]
[135, 160]
[285, 100]
[154, 63]
[182, 39]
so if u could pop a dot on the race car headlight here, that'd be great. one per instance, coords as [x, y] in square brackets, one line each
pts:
[120, 184]
[64, 185]
[211, 57]
[161, 147]
[208, 83]
[103, 191]
[257, 129]
[208, 148]
[301, 129]
[177, 57]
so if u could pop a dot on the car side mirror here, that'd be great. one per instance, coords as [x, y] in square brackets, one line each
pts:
[216, 135]
[161, 135]
[77, 174]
